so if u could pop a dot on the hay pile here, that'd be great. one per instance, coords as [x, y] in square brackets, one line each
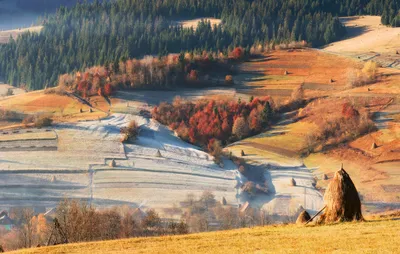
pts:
[292, 182]
[303, 217]
[341, 200]
[158, 154]
[223, 201]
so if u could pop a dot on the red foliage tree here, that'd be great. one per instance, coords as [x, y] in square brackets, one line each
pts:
[108, 89]
[348, 111]
[238, 53]
[193, 75]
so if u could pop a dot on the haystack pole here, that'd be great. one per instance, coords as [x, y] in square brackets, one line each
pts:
[303, 217]
[341, 200]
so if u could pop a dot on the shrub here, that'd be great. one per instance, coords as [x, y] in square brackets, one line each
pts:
[43, 121]
[9, 92]
[238, 53]
[249, 187]
[298, 94]
[215, 149]
[193, 75]
[37, 121]
[229, 80]
[370, 70]
[108, 90]
[130, 132]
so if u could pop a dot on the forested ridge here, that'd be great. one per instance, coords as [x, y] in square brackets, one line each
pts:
[97, 33]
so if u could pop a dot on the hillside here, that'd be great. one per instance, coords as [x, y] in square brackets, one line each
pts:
[365, 237]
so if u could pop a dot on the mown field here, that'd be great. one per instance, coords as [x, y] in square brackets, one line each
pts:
[365, 237]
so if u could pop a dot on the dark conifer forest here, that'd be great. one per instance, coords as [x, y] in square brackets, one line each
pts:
[100, 33]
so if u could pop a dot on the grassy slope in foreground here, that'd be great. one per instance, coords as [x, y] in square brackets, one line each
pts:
[364, 237]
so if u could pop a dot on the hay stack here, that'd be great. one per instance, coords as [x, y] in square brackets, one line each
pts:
[242, 153]
[374, 146]
[53, 179]
[158, 154]
[113, 163]
[286, 73]
[397, 52]
[90, 110]
[325, 177]
[304, 216]
[80, 111]
[292, 182]
[223, 201]
[341, 200]
[331, 81]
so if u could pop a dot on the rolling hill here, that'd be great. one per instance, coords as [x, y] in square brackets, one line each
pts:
[366, 237]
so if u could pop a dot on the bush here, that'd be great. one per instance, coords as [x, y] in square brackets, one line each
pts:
[370, 70]
[215, 149]
[130, 132]
[229, 80]
[43, 121]
[249, 187]
[37, 121]
[298, 94]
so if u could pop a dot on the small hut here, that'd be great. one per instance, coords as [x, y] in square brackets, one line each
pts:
[374, 146]
[158, 154]
[341, 199]
[292, 182]
[112, 163]
[303, 217]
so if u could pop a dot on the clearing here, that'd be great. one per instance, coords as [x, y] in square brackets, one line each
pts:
[5, 35]
[375, 236]
[193, 23]
[368, 39]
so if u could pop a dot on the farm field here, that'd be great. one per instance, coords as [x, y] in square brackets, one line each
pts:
[377, 236]
[87, 142]
[321, 74]
[374, 171]
[368, 39]
[81, 158]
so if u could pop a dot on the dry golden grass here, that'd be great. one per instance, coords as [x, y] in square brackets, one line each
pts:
[365, 237]
[5, 35]
[60, 108]
[194, 22]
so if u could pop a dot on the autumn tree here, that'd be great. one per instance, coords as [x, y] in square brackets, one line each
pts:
[240, 128]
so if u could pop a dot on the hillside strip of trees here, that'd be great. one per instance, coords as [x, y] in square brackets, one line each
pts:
[97, 33]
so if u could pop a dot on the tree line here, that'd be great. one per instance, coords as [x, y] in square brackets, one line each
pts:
[97, 33]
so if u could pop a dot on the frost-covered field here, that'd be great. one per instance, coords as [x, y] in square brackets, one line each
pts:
[80, 168]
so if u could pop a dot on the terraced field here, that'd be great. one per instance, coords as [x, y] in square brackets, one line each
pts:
[79, 167]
